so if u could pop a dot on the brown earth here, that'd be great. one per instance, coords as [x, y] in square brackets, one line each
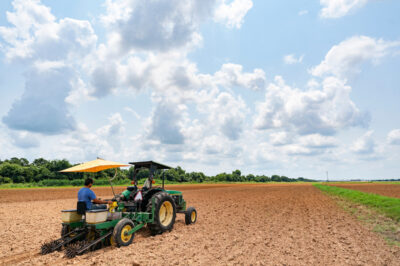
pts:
[249, 225]
[389, 190]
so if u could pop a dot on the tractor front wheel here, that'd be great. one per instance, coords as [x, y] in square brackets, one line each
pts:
[164, 213]
[190, 215]
[120, 233]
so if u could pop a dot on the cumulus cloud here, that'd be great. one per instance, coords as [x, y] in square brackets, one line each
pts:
[339, 8]
[166, 124]
[309, 112]
[318, 141]
[29, 16]
[291, 59]
[42, 107]
[394, 137]
[280, 138]
[232, 14]
[114, 131]
[51, 52]
[232, 75]
[24, 139]
[365, 144]
[228, 113]
[346, 58]
[35, 34]
[156, 25]
[295, 149]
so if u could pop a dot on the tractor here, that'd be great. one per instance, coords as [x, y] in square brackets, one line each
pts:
[86, 230]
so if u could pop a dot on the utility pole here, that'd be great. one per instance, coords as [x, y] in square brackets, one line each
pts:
[327, 178]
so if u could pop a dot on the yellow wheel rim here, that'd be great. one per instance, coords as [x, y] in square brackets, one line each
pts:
[193, 216]
[112, 242]
[124, 233]
[166, 213]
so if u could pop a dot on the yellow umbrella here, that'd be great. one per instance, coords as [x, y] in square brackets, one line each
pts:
[94, 166]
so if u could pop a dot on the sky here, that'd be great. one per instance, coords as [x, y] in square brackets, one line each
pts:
[295, 88]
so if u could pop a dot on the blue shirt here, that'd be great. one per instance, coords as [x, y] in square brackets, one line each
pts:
[87, 195]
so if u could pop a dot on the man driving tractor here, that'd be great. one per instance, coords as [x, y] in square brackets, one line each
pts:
[87, 195]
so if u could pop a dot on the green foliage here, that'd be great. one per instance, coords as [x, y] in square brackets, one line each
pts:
[387, 205]
[42, 172]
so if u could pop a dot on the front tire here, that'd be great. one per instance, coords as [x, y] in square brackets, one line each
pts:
[164, 213]
[190, 215]
[120, 230]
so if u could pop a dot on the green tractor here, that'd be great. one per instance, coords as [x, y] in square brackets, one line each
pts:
[85, 230]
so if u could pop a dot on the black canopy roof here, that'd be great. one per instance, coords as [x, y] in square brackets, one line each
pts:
[148, 164]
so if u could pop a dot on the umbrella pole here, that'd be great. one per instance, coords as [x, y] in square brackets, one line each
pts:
[111, 183]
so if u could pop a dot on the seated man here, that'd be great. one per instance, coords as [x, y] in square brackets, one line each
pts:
[87, 195]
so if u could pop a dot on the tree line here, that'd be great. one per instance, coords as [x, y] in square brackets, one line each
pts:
[46, 173]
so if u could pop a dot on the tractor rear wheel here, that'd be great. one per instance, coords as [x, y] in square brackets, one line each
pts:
[120, 233]
[164, 213]
[190, 215]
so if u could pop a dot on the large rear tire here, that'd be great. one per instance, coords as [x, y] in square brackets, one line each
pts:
[164, 213]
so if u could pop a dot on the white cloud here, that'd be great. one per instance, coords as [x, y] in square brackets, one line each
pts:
[291, 59]
[29, 16]
[114, 131]
[232, 14]
[280, 138]
[394, 137]
[339, 8]
[51, 52]
[232, 75]
[346, 58]
[165, 125]
[42, 107]
[228, 114]
[133, 112]
[318, 141]
[303, 12]
[24, 139]
[365, 144]
[156, 25]
[295, 149]
[308, 112]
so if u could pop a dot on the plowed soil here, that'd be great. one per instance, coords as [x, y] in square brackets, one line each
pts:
[389, 190]
[249, 225]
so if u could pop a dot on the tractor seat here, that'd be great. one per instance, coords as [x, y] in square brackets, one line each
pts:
[81, 207]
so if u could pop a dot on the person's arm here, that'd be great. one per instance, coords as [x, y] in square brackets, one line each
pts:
[98, 201]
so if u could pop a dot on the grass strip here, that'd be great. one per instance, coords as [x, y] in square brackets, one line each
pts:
[386, 205]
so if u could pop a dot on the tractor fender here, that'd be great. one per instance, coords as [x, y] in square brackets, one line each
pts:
[148, 195]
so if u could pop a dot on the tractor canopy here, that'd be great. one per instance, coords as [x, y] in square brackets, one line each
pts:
[152, 166]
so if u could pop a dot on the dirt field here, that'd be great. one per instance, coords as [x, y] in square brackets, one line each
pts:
[249, 225]
[389, 190]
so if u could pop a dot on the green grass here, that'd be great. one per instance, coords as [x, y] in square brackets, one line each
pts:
[386, 205]
[377, 222]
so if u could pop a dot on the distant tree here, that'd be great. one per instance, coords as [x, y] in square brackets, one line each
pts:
[250, 177]
[19, 161]
[276, 178]
[40, 162]
[236, 176]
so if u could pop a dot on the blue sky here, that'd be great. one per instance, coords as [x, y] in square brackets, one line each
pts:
[295, 88]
